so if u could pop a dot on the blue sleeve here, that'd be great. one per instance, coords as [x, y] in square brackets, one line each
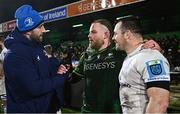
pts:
[23, 79]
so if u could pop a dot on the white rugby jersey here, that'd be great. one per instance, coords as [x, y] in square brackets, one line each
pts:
[2, 81]
[140, 67]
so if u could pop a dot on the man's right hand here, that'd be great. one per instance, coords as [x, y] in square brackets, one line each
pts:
[151, 44]
[62, 69]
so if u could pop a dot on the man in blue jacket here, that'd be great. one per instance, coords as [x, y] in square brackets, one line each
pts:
[30, 87]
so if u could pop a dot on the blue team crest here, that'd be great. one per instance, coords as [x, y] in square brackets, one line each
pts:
[156, 69]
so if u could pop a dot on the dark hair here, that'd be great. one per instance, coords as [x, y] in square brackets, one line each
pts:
[48, 48]
[1, 38]
[106, 23]
[132, 24]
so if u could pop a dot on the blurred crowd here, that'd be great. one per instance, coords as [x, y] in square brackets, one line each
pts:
[69, 53]
[171, 50]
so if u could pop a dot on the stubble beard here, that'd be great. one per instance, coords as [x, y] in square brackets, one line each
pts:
[36, 38]
[95, 45]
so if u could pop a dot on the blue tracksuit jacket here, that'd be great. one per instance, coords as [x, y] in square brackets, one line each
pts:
[28, 82]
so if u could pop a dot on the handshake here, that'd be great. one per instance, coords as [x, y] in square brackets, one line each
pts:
[63, 69]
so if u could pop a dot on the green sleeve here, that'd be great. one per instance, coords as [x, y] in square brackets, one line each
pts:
[78, 72]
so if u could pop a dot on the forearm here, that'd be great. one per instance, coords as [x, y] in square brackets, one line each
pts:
[158, 100]
[154, 106]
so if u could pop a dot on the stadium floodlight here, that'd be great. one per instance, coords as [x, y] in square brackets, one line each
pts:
[124, 17]
[103, 3]
[78, 25]
[113, 3]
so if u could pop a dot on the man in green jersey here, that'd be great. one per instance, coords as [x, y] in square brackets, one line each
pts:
[100, 66]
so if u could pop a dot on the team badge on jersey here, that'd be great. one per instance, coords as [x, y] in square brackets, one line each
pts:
[156, 70]
[98, 56]
[89, 57]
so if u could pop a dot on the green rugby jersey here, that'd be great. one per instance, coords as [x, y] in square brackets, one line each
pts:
[100, 70]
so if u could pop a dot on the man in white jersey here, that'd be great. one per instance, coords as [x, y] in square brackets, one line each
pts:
[144, 77]
[2, 78]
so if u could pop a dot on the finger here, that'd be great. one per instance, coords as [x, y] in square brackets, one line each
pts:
[61, 72]
[149, 44]
[62, 69]
[62, 66]
[145, 46]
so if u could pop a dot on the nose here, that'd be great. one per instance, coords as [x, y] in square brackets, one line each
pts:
[43, 29]
[89, 36]
[114, 39]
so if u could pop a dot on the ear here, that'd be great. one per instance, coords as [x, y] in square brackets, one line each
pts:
[127, 34]
[27, 34]
[107, 35]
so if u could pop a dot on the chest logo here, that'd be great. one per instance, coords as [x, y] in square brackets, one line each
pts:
[38, 58]
[98, 56]
[89, 57]
[110, 55]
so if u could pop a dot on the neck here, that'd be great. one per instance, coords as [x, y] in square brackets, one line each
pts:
[27, 36]
[134, 44]
[104, 46]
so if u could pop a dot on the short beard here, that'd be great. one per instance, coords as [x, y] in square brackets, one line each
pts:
[95, 46]
[36, 39]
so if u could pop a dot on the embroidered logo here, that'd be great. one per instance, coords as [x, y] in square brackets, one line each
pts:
[28, 22]
[89, 57]
[38, 58]
[98, 56]
[110, 55]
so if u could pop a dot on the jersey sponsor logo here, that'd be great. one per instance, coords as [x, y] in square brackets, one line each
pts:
[99, 66]
[156, 71]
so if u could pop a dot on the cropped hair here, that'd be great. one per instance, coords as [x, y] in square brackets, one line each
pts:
[107, 24]
[48, 48]
[132, 24]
